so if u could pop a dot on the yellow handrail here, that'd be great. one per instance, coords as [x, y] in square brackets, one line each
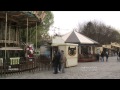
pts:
[14, 61]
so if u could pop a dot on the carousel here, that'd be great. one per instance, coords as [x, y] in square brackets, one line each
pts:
[11, 51]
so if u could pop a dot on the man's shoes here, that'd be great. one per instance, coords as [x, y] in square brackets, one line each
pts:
[58, 71]
[55, 73]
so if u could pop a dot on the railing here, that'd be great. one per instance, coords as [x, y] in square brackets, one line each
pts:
[21, 65]
[86, 57]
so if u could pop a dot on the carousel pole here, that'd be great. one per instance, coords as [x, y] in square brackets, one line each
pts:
[9, 33]
[5, 34]
[30, 35]
[16, 36]
[36, 35]
[27, 32]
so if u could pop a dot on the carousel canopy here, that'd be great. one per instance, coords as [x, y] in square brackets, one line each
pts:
[20, 17]
[11, 48]
[75, 37]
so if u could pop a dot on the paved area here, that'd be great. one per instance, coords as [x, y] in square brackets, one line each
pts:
[84, 70]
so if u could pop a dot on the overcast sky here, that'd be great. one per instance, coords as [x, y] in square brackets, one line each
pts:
[66, 21]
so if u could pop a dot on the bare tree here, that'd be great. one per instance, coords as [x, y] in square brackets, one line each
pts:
[99, 32]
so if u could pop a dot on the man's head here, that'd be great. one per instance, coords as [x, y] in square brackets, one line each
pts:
[62, 51]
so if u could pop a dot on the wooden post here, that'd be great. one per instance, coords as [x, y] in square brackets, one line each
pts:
[19, 35]
[0, 31]
[9, 33]
[16, 35]
[79, 49]
[36, 35]
[92, 50]
[30, 35]
[27, 32]
[5, 34]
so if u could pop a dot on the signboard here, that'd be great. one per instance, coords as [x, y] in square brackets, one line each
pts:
[14, 61]
[71, 55]
[1, 61]
[72, 51]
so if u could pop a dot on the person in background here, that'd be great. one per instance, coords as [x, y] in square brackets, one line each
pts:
[59, 60]
[102, 56]
[106, 54]
[98, 54]
[55, 62]
[63, 61]
[119, 55]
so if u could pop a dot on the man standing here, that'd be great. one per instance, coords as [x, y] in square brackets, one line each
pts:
[106, 54]
[63, 61]
[59, 60]
[102, 56]
[98, 54]
[56, 61]
[119, 55]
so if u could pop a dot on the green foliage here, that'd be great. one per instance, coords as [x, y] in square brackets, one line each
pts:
[42, 29]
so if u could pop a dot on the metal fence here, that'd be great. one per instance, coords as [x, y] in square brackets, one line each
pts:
[19, 66]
